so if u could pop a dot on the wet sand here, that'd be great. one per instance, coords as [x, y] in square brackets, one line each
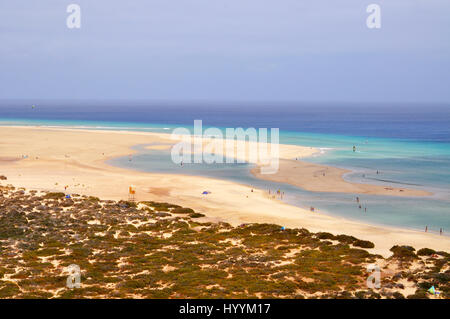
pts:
[321, 178]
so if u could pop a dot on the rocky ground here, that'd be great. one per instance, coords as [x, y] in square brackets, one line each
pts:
[159, 250]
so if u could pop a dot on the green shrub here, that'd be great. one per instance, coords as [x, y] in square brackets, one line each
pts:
[196, 215]
[323, 235]
[403, 252]
[419, 295]
[346, 239]
[398, 295]
[182, 210]
[363, 243]
[159, 206]
[425, 252]
[54, 195]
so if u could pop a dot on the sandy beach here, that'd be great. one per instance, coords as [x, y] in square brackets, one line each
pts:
[321, 178]
[76, 158]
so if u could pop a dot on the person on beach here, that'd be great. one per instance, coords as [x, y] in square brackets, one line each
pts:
[426, 228]
[357, 199]
[440, 231]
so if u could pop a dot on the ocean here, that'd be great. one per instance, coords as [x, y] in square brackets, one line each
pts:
[409, 146]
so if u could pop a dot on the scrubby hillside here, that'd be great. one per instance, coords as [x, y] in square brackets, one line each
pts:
[159, 250]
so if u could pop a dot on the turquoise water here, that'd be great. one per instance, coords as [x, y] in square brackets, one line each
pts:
[422, 165]
[412, 163]
[412, 213]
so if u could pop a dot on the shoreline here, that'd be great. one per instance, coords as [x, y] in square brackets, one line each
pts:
[86, 172]
[289, 171]
[322, 178]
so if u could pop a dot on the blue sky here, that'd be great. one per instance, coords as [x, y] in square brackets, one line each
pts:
[226, 50]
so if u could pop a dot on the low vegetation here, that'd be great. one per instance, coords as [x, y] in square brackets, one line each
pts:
[160, 250]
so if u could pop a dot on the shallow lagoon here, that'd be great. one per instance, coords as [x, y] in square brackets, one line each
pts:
[412, 213]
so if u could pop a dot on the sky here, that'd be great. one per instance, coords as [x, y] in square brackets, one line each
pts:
[226, 50]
